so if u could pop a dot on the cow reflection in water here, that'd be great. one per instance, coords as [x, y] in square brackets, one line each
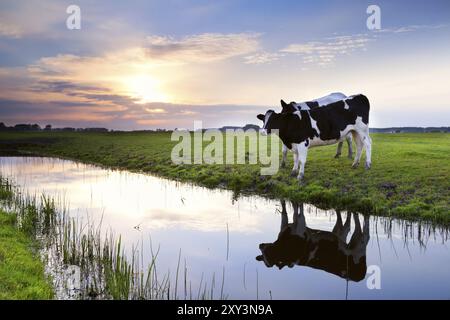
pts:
[299, 245]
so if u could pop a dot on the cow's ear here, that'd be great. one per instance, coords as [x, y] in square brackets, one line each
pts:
[259, 258]
[260, 117]
[283, 104]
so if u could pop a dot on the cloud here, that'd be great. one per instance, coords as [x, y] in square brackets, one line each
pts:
[63, 86]
[8, 30]
[326, 51]
[20, 19]
[82, 94]
[56, 112]
[155, 110]
[202, 47]
[183, 115]
[412, 28]
[125, 77]
[262, 58]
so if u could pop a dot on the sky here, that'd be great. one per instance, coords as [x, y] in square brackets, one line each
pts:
[165, 64]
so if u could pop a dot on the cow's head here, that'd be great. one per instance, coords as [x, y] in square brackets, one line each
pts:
[288, 107]
[267, 121]
[269, 254]
[287, 250]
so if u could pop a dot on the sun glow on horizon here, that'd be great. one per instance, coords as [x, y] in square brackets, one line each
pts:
[144, 88]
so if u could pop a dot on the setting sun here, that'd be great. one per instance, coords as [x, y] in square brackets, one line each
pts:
[144, 88]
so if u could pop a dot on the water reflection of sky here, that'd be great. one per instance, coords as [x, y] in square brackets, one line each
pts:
[195, 220]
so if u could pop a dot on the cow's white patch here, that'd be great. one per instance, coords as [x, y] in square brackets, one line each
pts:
[266, 118]
[346, 107]
[316, 142]
[333, 97]
[297, 113]
[302, 150]
[322, 101]
[263, 131]
[314, 124]
[360, 125]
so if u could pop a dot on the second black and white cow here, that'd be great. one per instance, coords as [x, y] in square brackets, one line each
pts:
[304, 129]
[313, 104]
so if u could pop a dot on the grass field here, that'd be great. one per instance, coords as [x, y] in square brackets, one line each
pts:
[410, 175]
[21, 271]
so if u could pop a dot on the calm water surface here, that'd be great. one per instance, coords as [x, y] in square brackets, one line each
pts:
[264, 248]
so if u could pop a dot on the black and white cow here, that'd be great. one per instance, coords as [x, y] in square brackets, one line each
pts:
[313, 104]
[327, 125]
[297, 244]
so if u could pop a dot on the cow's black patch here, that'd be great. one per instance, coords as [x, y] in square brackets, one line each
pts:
[312, 104]
[288, 107]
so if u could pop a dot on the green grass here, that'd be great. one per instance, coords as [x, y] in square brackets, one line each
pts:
[21, 271]
[410, 175]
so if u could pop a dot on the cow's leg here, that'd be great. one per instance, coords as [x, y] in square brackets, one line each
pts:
[295, 214]
[284, 217]
[356, 236]
[338, 225]
[284, 151]
[299, 219]
[368, 146]
[359, 240]
[359, 146]
[357, 245]
[366, 229]
[339, 149]
[358, 229]
[295, 152]
[342, 230]
[302, 151]
[350, 145]
[347, 224]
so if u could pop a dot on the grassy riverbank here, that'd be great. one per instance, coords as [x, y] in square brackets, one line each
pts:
[410, 177]
[21, 270]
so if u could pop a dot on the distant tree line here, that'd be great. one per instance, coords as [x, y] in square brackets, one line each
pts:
[410, 129]
[36, 127]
